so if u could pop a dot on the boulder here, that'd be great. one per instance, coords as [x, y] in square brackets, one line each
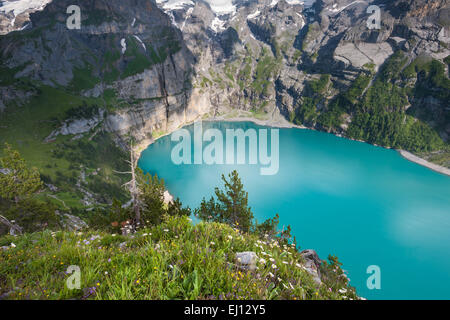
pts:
[312, 264]
[246, 260]
[73, 223]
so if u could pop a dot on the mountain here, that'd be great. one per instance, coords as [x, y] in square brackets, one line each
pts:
[138, 69]
[15, 14]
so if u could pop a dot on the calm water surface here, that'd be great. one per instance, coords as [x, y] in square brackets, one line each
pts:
[365, 204]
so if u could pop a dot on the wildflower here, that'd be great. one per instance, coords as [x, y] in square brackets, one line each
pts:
[145, 234]
[113, 235]
[212, 243]
[343, 290]
[274, 266]
[106, 272]
[166, 230]
[271, 259]
[285, 262]
[230, 237]
[13, 245]
[262, 261]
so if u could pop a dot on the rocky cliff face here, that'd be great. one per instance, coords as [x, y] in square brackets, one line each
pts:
[132, 51]
[159, 65]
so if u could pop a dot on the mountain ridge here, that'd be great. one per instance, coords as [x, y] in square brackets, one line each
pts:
[142, 70]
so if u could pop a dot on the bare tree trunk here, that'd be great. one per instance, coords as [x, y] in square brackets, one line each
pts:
[134, 189]
[13, 228]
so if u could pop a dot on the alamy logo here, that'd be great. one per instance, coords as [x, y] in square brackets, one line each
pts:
[74, 281]
[221, 150]
[374, 20]
[374, 280]
[74, 20]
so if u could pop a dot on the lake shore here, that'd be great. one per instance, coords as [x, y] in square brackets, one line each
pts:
[281, 122]
[411, 157]
[274, 123]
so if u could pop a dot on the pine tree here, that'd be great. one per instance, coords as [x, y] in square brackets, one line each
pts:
[231, 206]
[208, 211]
[18, 184]
[17, 181]
[151, 196]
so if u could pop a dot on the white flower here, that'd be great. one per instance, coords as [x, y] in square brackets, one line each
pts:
[285, 262]
[113, 235]
[298, 265]
[166, 230]
[13, 245]
[271, 274]
[343, 290]
[212, 243]
[230, 237]
[272, 259]
[274, 266]
[262, 261]
[145, 234]
[106, 272]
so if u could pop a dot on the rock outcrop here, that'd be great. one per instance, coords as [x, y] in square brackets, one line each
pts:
[312, 264]
[165, 64]
[246, 260]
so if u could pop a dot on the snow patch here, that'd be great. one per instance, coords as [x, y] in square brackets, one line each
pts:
[335, 8]
[168, 5]
[140, 41]
[254, 14]
[222, 6]
[123, 43]
[217, 25]
[188, 14]
[18, 7]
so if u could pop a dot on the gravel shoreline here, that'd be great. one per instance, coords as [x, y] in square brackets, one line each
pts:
[283, 123]
[411, 157]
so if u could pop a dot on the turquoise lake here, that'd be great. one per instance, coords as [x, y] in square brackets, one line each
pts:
[365, 204]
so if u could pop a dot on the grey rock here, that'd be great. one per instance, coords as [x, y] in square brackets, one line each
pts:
[73, 223]
[246, 260]
[312, 264]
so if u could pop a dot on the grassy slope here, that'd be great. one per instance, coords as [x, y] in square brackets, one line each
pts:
[175, 260]
[26, 127]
